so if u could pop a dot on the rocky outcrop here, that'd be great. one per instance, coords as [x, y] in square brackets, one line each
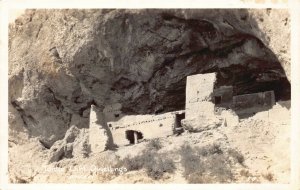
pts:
[63, 61]
[274, 29]
[199, 124]
[75, 144]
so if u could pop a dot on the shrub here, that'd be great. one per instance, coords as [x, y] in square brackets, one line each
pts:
[218, 167]
[245, 173]
[159, 166]
[205, 165]
[134, 163]
[196, 177]
[155, 164]
[190, 161]
[209, 150]
[215, 149]
[154, 144]
[237, 156]
[269, 176]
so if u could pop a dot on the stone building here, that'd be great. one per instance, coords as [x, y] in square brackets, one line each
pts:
[203, 97]
[204, 102]
[222, 96]
[134, 128]
[110, 127]
[253, 103]
[199, 89]
[112, 132]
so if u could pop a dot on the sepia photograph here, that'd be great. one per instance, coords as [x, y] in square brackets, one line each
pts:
[149, 96]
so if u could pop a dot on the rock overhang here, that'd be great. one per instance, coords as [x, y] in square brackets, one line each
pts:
[143, 65]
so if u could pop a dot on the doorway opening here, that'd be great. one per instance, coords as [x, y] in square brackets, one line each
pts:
[178, 127]
[218, 100]
[133, 136]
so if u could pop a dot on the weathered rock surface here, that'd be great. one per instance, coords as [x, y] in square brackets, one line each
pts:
[74, 144]
[63, 61]
[195, 124]
[275, 32]
[230, 118]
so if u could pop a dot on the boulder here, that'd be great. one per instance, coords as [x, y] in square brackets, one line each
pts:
[202, 123]
[230, 117]
[74, 144]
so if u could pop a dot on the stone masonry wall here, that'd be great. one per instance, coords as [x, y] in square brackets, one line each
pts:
[199, 89]
[255, 102]
[98, 137]
[151, 126]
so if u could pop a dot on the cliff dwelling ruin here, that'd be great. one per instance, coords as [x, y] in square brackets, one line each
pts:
[206, 105]
[109, 87]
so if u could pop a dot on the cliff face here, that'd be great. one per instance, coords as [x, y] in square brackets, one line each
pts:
[63, 61]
